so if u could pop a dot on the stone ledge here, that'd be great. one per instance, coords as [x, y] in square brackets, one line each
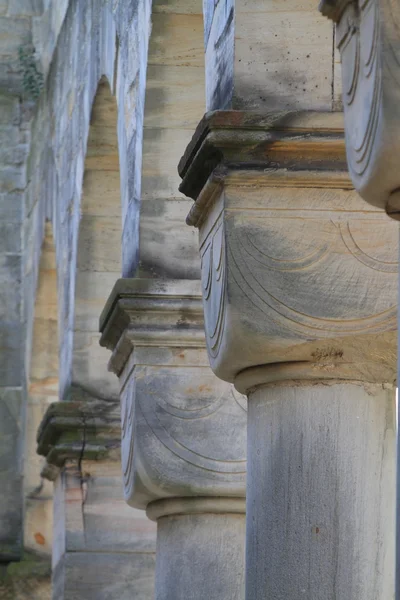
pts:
[293, 141]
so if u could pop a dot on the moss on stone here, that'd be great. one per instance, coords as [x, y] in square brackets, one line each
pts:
[30, 566]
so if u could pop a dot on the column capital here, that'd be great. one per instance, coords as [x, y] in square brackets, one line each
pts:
[295, 266]
[367, 36]
[183, 429]
[71, 431]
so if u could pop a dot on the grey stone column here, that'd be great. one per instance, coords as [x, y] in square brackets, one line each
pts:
[299, 293]
[183, 438]
[200, 548]
[320, 502]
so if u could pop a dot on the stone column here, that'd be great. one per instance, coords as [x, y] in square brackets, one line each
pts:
[321, 466]
[299, 292]
[200, 547]
[183, 438]
[101, 549]
[367, 36]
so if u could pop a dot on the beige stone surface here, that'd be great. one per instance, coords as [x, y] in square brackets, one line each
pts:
[103, 549]
[42, 390]
[95, 515]
[174, 103]
[162, 147]
[177, 7]
[268, 55]
[176, 41]
[99, 245]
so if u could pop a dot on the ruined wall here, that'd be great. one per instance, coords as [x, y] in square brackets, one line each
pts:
[56, 163]
[31, 26]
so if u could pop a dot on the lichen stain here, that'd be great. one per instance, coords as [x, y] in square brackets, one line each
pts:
[327, 353]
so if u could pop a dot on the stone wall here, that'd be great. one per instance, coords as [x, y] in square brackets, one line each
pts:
[269, 55]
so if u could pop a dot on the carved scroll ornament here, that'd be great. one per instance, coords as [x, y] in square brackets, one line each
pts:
[368, 38]
[298, 289]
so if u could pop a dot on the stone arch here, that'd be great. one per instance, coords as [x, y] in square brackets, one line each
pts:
[42, 391]
[98, 262]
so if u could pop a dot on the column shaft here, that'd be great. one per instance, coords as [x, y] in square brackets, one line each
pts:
[200, 552]
[320, 503]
